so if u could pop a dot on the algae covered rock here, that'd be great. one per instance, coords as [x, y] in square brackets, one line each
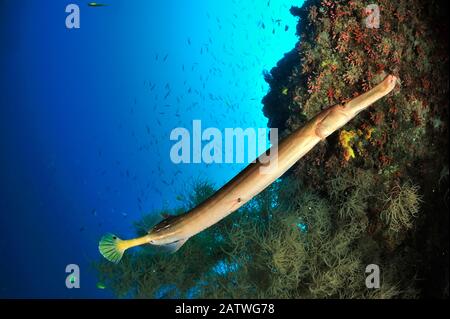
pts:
[386, 164]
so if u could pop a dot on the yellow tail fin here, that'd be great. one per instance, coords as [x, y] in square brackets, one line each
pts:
[110, 249]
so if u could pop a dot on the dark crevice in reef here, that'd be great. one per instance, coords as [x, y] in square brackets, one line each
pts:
[276, 104]
[432, 240]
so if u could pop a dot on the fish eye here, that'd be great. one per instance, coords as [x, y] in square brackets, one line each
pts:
[114, 237]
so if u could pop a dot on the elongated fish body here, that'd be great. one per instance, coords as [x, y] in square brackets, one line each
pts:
[257, 176]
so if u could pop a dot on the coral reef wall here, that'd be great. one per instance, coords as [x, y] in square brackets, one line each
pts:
[401, 143]
[375, 193]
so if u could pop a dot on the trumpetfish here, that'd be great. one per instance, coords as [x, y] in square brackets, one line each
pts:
[174, 231]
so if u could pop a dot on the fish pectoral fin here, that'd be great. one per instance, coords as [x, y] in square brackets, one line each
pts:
[175, 246]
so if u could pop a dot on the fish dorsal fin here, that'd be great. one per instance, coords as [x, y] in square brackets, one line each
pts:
[167, 223]
[175, 246]
[166, 215]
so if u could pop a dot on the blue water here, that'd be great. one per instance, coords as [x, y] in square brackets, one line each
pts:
[84, 137]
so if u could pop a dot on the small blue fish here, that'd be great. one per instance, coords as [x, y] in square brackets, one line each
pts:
[95, 4]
